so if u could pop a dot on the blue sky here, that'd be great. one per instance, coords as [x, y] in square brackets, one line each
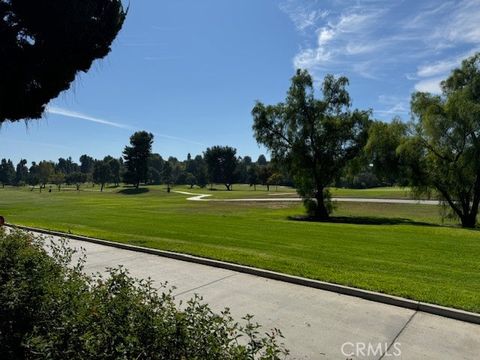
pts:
[190, 71]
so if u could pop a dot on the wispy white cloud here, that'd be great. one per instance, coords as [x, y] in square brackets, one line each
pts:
[334, 39]
[393, 105]
[302, 16]
[436, 68]
[430, 73]
[463, 23]
[445, 27]
[423, 16]
[80, 116]
[366, 37]
[431, 85]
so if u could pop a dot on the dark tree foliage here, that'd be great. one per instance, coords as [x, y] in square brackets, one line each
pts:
[190, 180]
[262, 160]
[7, 172]
[252, 176]
[137, 157]
[221, 163]
[314, 139]
[33, 178]
[21, 173]
[44, 171]
[263, 174]
[76, 178]
[166, 175]
[45, 43]
[155, 168]
[86, 164]
[200, 171]
[381, 151]
[66, 166]
[115, 169]
[102, 173]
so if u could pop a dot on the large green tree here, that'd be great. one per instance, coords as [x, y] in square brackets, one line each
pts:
[200, 171]
[58, 178]
[45, 43]
[44, 172]
[381, 151]
[102, 173]
[166, 175]
[76, 178]
[33, 176]
[7, 172]
[137, 157]
[115, 168]
[221, 164]
[21, 173]
[86, 164]
[313, 138]
[444, 151]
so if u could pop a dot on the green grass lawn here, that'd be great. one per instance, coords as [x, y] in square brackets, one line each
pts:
[402, 250]
[379, 193]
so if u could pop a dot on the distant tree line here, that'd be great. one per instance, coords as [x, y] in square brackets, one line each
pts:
[217, 165]
[140, 166]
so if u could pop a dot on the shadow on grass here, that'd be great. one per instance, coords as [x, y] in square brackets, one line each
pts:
[362, 220]
[134, 191]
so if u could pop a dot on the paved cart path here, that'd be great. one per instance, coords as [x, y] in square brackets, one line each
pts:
[206, 197]
[315, 323]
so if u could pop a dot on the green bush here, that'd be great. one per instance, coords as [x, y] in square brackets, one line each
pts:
[49, 309]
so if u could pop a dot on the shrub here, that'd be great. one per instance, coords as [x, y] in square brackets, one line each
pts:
[49, 309]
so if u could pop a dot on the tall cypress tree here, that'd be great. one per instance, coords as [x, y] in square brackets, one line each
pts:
[136, 158]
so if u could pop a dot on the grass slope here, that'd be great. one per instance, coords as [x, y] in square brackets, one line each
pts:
[397, 253]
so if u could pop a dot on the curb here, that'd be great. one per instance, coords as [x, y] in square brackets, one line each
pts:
[340, 289]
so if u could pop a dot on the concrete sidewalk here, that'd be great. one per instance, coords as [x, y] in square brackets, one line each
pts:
[315, 323]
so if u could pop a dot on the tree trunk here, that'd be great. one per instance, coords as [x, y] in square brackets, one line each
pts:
[470, 220]
[268, 187]
[321, 212]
